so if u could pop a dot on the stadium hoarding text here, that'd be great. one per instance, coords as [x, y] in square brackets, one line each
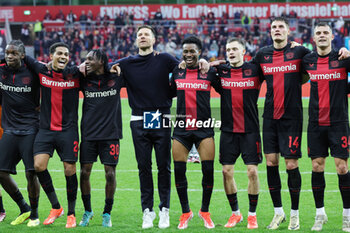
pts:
[184, 11]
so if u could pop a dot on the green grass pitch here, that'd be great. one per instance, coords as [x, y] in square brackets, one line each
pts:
[127, 215]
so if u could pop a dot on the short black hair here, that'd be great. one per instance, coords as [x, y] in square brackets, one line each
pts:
[323, 24]
[18, 44]
[193, 40]
[148, 27]
[58, 44]
[282, 19]
[236, 39]
[101, 56]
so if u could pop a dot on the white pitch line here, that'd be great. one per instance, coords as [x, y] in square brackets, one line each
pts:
[191, 190]
[188, 171]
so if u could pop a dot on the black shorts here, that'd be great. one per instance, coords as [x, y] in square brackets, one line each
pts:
[190, 137]
[107, 150]
[284, 136]
[14, 148]
[335, 137]
[66, 143]
[234, 144]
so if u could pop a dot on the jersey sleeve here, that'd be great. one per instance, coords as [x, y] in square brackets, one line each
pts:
[215, 79]
[33, 64]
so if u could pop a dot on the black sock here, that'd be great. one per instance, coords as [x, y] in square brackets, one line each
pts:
[181, 185]
[72, 188]
[274, 183]
[108, 205]
[1, 206]
[86, 202]
[232, 199]
[46, 183]
[34, 206]
[294, 184]
[253, 202]
[22, 204]
[344, 187]
[207, 183]
[318, 184]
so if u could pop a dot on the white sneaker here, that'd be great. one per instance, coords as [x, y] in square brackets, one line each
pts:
[346, 223]
[164, 218]
[276, 221]
[319, 221]
[148, 217]
[294, 222]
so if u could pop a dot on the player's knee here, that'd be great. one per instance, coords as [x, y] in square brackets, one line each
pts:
[317, 167]
[84, 175]
[3, 175]
[227, 173]
[291, 165]
[110, 177]
[252, 173]
[342, 169]
[31, 176]
[39, 167]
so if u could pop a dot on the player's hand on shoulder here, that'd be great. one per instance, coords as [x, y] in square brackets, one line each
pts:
[115, 69]
[203, 66]
[48, 65]
[294, 44]
[343, 53]
[156, 53]
[182, 65]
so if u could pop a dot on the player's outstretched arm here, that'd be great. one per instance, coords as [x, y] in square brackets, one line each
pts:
[33, 64]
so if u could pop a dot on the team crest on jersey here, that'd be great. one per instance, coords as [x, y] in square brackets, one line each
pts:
[203, 76]
[69, 76]
[181, 74]
[26, 80]
[334, 64]
[3, 77]
[289, 55]
[111, 83]
[224, 72]
[311, 64]
[267, 57]
[89, 84]
[248, 72]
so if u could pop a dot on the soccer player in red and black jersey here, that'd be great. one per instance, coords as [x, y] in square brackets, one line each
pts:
[58, 128]
[193, 106]
[328, 126]
[282, 125]
[101, 129]
[239, 90]
[20, 121]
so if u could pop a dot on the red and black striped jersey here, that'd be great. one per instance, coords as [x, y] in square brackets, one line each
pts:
[20, 90]
[239, 92]
[329, 88]
[281, 70]
[193, 95]
[59, 96]
[102, 116]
